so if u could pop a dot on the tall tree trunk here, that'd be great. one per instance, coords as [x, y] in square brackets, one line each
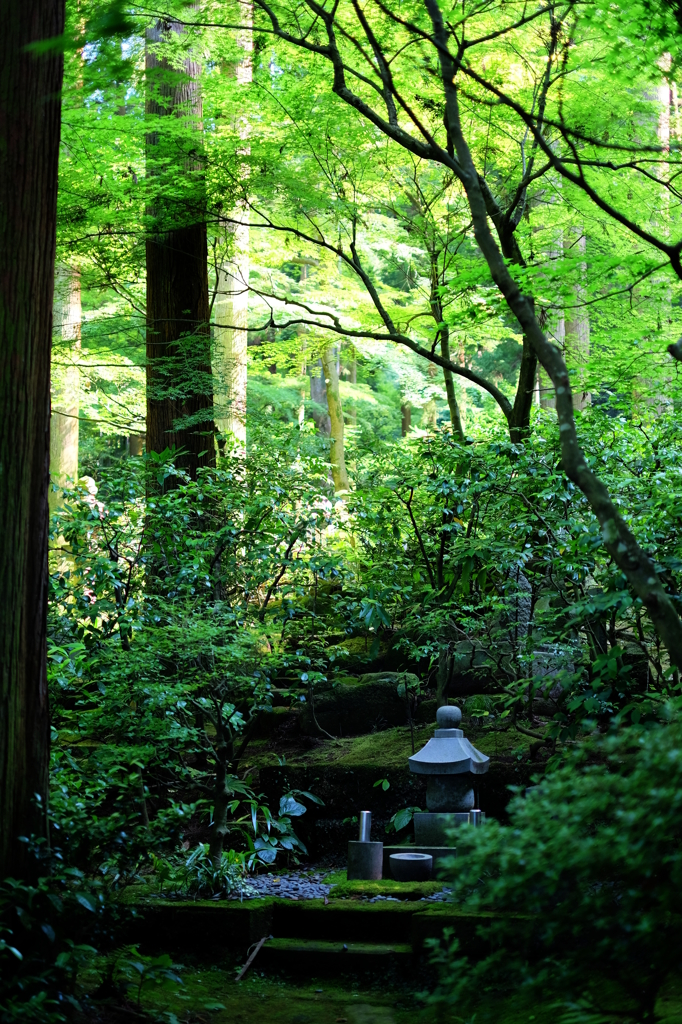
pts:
[455, 418]
[519, 423]
[444, 334]
[429, 411]
[338, 455]
[578, 325]
[318, 395]
[353, 379]
[554, 325]
[136, 444]
[230, 344]
[231, 306]
[179, 382]
[65, 383]
[301, 405]
[405, 418]
[29, 129]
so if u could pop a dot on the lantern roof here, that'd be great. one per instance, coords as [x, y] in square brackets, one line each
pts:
[449, 752]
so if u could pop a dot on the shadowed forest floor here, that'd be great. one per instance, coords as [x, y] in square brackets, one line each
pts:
[210, 995]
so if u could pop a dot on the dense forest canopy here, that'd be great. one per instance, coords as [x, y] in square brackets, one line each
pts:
[365, 350]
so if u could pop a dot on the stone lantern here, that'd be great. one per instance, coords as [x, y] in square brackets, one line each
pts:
[450, 763]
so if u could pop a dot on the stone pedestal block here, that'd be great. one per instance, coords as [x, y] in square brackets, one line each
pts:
[450, 792]
[365, 861]
[431, 829]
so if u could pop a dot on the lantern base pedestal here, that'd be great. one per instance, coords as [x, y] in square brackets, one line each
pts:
[432, 829]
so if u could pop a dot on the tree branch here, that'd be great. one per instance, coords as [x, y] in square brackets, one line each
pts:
[618, 539]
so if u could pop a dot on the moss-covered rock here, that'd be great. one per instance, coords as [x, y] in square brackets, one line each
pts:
[272, 720]
[356, 706]
[367, 653]
[426, 712]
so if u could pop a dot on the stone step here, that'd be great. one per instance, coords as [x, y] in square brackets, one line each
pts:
[206, 925]
[349, 921]
[344, 920]
[309, 955]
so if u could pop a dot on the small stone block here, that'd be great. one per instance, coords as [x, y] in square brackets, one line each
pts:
[431, 829]
[365, 861]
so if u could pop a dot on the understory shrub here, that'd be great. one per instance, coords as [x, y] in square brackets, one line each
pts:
[585, 882]
[47, 928]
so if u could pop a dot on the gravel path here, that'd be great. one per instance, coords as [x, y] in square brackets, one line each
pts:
[438, 897]
[294, 886]
[298, 885]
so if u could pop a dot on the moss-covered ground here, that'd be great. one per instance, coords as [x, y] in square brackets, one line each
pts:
[343, 889]
[213, 992]
[388, 749]
[211, 995]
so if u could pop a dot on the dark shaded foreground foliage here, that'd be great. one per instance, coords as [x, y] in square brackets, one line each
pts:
[589, 871]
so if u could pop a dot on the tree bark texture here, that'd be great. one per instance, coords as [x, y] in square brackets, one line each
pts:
[318, 396]
[578, 323]
[65, 382]
[444, 335]
[455, 418]
[519, 420]
[136, 444]
[337, 453]
[230, 345]
[29, 153]
[179, 382]
[405, 418]
[179, 392]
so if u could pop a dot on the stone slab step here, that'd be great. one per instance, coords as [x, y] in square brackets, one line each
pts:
[306, 955]
[173, 925]
[344, 920]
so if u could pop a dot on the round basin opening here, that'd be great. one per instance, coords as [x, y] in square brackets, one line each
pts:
[411, 867]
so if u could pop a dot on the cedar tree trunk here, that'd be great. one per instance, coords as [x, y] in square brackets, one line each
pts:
[29, 152]
[179, 385]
